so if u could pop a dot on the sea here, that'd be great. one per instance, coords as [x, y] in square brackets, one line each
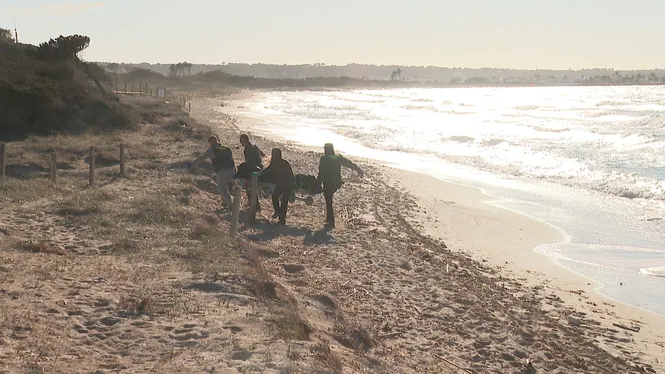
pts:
[587, 160]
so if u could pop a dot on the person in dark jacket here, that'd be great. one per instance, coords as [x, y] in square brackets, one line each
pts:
[280, 173]
[223, 164]
[330, 174]
[253, 161]
[253, 155]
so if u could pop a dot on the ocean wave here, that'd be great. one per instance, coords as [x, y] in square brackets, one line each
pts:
[613, 103]
[420, 107]
[657, 121]
[522, 108]
[552, 130]
[512, 140]
[460, 139]
[493, 142]
[658, 271]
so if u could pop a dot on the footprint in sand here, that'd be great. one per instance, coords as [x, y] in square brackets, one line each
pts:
[293, 268]
[242, 355]
[187, 336]
[234, 329]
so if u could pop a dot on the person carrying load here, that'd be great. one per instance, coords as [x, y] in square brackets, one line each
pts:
[223, 164]
[330, 174]
[253, 163]
[280, 173]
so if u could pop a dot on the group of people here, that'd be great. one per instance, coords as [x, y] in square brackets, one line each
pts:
[278, 172]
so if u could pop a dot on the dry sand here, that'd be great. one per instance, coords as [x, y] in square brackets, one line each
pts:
[485, 300]
[137, 274]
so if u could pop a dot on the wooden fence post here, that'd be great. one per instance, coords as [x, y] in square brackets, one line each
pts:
[125, 86]
[3, 161]
[253, 196]
[122, 160]
[190, 107]
[236, 211]
[91, 177]
[54, 167]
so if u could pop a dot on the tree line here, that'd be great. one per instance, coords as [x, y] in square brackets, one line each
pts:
[179, 69]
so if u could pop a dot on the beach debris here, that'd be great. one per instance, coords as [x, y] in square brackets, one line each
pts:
[528, 368]
[391, 335]
[629, 328]
[574, 321]
[454, 364]
[644, 368]
[42, 246]
[293, 268]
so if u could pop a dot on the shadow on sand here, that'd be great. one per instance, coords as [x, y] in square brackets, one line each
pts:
[271, 230]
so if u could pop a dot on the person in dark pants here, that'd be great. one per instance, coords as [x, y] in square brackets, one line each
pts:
[225, 167]
[330, 174]
[280, 173]
[253, 161]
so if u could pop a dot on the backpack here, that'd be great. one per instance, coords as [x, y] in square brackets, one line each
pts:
[223, 158]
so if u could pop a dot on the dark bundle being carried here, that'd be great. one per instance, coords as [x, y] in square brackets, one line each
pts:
[245, 171]
[308, 183]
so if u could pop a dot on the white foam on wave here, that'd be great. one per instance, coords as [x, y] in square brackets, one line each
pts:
[598, 158]
[558, 135]
[658, 271]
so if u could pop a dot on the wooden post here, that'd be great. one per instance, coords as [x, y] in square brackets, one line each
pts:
[122, 160]
[236, 211]
[190, 107]
[125, 86]
[3, 161]
[146, 89]
[253, 196]
[91, 177]
[54, 167]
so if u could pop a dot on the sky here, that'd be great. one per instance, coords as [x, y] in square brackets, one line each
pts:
[520, 34]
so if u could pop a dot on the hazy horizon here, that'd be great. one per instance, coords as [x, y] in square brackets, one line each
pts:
[516, 34]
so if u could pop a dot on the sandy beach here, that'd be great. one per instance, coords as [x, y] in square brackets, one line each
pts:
[138, 274]
[388, 245]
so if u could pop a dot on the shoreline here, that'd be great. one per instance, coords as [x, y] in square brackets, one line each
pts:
[524, 199]
[536, 269]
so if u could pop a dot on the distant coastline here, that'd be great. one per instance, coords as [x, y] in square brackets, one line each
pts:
[317, 76]
[428, 76]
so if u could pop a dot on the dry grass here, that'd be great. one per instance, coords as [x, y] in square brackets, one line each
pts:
[155, 228]
[353, 336]
[21, 191]
[145, 246]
